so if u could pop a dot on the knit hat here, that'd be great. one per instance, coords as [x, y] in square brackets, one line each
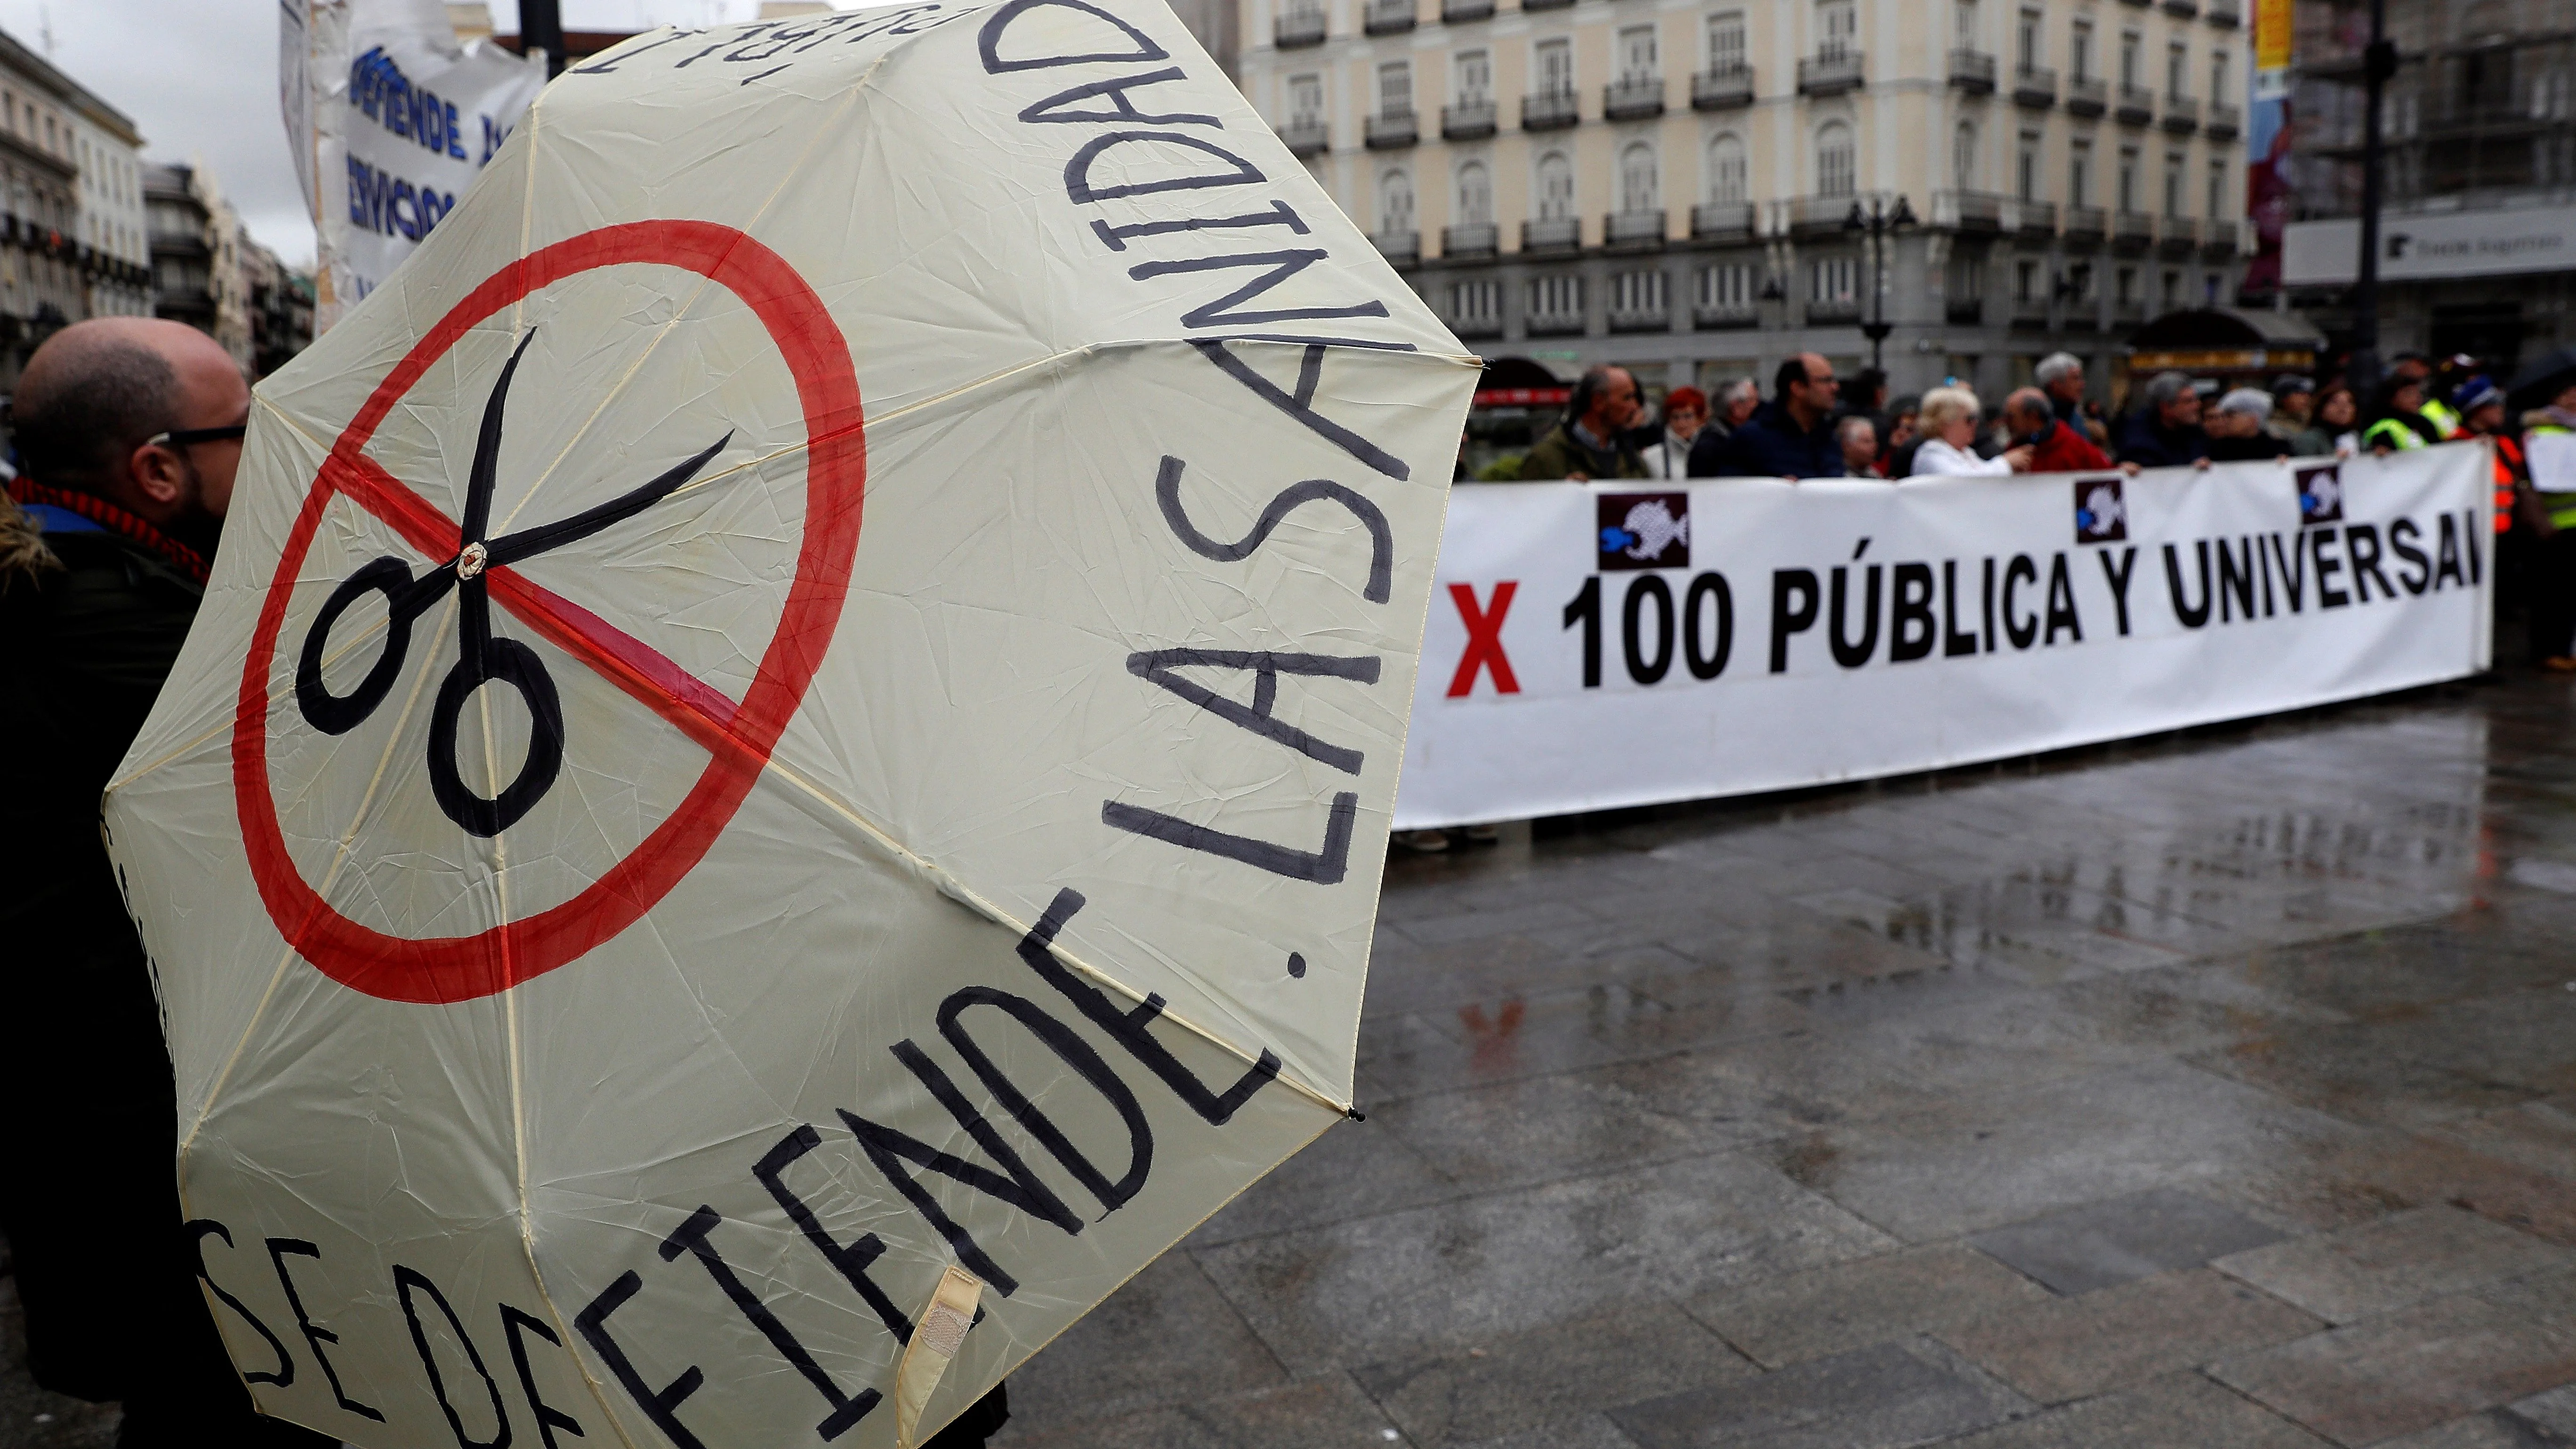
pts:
[2474, 394]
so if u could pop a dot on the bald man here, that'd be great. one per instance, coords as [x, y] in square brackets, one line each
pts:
[129, 431]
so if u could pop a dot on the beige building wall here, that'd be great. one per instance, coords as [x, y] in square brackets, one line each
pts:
[1937, 134]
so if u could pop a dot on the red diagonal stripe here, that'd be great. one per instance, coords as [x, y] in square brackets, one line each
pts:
[700, 711]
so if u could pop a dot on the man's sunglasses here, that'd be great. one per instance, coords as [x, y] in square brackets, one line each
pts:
[183, 437]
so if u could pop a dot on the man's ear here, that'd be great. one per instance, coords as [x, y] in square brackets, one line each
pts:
[157, 474]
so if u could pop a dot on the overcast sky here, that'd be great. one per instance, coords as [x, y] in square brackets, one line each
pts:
[199, 77]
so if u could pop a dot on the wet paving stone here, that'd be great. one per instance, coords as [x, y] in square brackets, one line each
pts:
[2412, 1370]
[2101, 1244]
[2212, 1090]
[2073, 1348]
[2391, 1264]
[1871, 1398]
[2184, 1411]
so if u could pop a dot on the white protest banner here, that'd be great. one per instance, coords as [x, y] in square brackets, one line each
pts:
[390, 121]
[784, 772]
[1597, 646]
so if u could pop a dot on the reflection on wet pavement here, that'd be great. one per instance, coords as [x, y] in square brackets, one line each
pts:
[2215, 1090]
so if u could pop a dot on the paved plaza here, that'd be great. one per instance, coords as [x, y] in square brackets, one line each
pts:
[2218, 1090]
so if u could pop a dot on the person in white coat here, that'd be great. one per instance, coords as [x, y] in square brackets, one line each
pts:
[1685, 413]
[1949, 423]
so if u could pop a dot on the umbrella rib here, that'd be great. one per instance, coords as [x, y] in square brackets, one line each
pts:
[339, 857]
[947, 884]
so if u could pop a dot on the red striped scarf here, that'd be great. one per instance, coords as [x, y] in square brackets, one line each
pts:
[116, 520]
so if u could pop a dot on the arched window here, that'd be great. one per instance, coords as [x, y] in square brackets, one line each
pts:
[1836, 169]
[1555, 187]
[1726, 171]
[1637, 188]
[1475, 194]
[1963, 157]
[1394, 203]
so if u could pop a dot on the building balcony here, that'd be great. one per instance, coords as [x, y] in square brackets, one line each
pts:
[2226, 14]
[1815, 216]
[1393, 130]
[2218, 239]
[2129, 310]
[2132, 230]
[2086, 223]
[1831, 75]
[1467, 121]
[1476, 326]
[1636, 99]
[2182, 9]
[1298, 29]
[2030, 311]
[1973, 71]
[1844, 311]
[1471, 241]
[1388, 17]
[1640, 321]
[1633, 231]
[1545, 4]
[2034, 86]
[2179, 237]
[1459, 12]
[2087, 96]
[1549, 111]
[1964, 311]
[2182, 115]
[1979, 211]
[2137, 106]
[1722, 90]
[1404, 248]
[1723, 221]
[1553, 324]
[1553, 236]
[1306, 138]
[2223, 121]
[1727, 318]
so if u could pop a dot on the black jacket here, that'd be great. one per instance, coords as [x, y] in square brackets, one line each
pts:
[2146, 442]
[1770, 445]
[90, 624]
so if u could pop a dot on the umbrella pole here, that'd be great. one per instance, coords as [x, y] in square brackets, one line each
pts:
[2379, 65]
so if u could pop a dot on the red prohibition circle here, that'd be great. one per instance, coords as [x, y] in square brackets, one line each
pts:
[739, 738]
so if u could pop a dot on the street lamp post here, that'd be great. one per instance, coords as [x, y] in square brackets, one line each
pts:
[541, 27]
[2378, 67]
[1876, 220]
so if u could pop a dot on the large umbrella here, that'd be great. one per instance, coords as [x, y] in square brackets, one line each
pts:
[784, 774]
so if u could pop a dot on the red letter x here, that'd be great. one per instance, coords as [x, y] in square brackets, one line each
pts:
[1484, 639]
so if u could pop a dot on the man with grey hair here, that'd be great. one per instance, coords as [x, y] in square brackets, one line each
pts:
[2164, 431]
[2061, 376]
[2055, 446]
[2236, 431]
[130, 430]
[1729, 404]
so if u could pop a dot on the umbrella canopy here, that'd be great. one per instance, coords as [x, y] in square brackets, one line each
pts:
[2535, 385]
[784, 773]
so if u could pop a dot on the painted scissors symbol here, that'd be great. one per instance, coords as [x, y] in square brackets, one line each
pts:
[482, 657]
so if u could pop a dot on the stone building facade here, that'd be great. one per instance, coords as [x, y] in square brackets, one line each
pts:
[1668, 183]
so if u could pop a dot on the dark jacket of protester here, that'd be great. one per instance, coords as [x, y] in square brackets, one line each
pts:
[2061, 447]
[2247, 450]
[2147, 442]
[1770, 445]
[1562, 455]
[94, 604]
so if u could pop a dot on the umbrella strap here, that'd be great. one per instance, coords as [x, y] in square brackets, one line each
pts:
[935, 1341]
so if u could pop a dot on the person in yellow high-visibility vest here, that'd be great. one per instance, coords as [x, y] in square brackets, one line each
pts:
[2396, 416]
[2553, 520]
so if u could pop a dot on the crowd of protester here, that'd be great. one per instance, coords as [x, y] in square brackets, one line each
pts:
[1815, 424]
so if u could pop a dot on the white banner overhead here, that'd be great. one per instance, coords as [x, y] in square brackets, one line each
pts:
[1592, 647]
[2427, 247]
[390, 121]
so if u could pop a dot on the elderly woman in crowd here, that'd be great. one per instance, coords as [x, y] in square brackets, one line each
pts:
[1949, 424]
[1685, 413]
[2236, 431]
